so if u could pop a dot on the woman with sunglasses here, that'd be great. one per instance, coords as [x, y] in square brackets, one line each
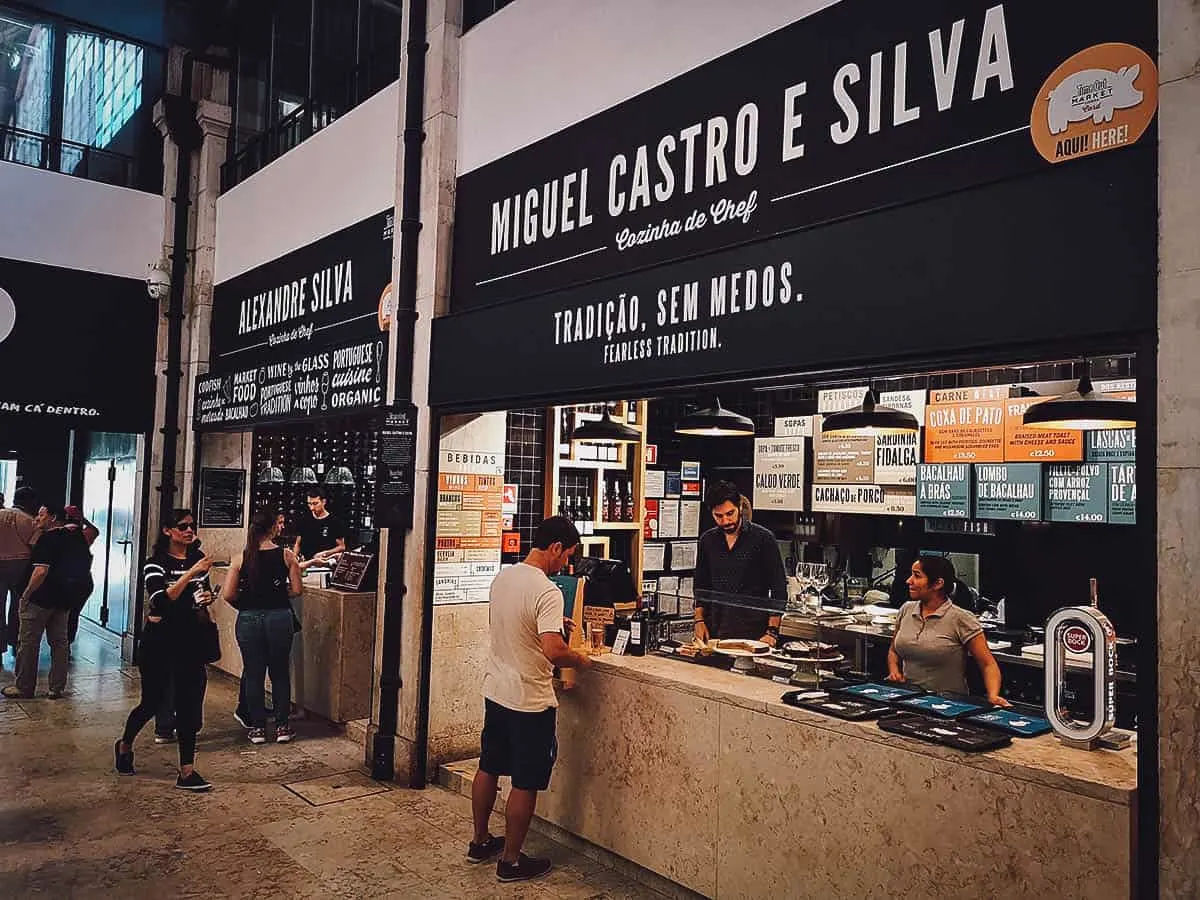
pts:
[171, 656]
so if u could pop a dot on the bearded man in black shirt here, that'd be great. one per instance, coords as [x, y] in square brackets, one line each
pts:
[737, 557]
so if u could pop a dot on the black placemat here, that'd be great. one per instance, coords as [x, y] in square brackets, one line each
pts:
[840, 707]
[959, 735]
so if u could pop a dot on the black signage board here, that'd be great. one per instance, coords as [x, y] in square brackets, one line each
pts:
[999, 265]
[396, 468]
[300, 337]
[857, 107]
[76, 348]
[350, 570]
[222, 498]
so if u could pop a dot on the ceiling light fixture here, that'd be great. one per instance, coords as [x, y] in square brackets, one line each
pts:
[606, 429]
[1083, 409]
[716, 421]
[869, 418]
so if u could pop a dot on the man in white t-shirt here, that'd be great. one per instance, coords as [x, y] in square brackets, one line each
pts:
[526, 625]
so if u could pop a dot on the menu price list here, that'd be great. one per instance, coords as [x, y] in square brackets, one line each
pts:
[396, 472]
[329, 382]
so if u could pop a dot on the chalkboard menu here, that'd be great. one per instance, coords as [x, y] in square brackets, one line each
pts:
[351, 569]
[222, 498]
[396, 469]
[303, 336]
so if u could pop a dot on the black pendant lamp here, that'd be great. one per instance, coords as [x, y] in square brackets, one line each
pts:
[1083, 409]
[606, 429]
[716, 421]
[869, 418]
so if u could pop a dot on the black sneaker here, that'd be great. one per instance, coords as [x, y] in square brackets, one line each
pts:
[477, 853]
[165, 738]
[241, 718]
[284, 733]
[193, 782]
[524, 869]
[123, 761]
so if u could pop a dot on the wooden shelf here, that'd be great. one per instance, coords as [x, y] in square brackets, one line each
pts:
[617, 526]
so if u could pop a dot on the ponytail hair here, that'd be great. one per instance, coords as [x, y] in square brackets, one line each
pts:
[261, 524]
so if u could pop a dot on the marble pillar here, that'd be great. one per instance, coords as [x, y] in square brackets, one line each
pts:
[438, 169]
[1178, 475]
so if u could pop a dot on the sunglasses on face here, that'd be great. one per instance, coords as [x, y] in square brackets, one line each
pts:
[186, 526]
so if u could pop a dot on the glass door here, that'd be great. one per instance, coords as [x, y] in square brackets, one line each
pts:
[109, 494]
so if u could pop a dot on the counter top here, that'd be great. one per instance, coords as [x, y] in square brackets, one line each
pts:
[1107, 775]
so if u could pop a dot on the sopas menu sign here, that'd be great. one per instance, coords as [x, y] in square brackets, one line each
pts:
[302, 336]
[856, 107]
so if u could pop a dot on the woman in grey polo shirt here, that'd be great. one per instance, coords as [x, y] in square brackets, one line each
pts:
[933, 636]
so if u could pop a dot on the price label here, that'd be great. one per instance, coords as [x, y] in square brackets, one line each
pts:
[621, 642]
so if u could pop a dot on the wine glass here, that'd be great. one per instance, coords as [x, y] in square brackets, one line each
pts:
[819, 578]
[804, 576]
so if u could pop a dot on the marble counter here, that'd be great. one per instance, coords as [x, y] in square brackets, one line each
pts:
[332, 655]
[705, 777]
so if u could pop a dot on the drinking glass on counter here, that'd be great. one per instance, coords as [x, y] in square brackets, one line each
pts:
[819, 578]
[595, 638]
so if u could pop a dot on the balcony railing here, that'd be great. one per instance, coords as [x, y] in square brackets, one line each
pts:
[60, 155]
[320, 111]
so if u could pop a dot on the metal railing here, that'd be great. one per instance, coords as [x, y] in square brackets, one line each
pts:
[317, 112]
[43, 151]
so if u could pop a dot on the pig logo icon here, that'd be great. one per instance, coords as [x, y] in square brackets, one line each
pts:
[1102, 98]
[1093, 93]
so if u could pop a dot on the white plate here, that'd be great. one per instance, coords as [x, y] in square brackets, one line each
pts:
[761, 648]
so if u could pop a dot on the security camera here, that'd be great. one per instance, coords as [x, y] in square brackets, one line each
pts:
[158, 281]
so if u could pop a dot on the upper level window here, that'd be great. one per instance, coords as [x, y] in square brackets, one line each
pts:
[103, 88]
[78, 101]
[26, 84]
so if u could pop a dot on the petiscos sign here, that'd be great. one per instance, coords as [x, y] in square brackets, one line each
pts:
[918, 99]
[303, 336]
[76, 348]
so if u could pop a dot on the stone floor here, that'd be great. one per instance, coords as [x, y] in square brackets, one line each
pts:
[298, 820]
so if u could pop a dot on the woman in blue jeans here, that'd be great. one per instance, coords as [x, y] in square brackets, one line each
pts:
[260, 586]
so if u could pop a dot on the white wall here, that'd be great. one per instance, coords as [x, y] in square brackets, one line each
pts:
[60, 220]
[538, 66]
[337, 177]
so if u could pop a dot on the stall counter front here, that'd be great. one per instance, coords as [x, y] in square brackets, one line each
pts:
[707, 778]
[332, 655]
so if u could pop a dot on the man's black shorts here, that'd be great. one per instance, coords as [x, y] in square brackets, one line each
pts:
[519, 744]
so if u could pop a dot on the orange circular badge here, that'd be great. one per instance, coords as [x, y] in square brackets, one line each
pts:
[1102, 98]
[387, 308]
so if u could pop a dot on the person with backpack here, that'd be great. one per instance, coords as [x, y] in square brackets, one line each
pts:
[260, 586]
[171, 657]
[60, 575]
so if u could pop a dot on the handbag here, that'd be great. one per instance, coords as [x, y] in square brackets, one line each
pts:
[209, 637]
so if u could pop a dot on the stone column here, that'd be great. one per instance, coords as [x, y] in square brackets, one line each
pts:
[210, 90]
[439, 160]
[1178, 475]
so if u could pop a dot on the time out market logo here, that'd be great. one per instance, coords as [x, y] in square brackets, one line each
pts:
[8, 314]
[1100, 99]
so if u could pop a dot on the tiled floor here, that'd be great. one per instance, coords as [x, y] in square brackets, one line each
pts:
[296, 820]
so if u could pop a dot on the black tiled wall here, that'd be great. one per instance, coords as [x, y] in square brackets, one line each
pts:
[525, 466]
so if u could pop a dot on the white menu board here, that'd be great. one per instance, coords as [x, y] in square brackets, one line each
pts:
[779, 473]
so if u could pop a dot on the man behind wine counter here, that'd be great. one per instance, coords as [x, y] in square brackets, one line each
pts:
[321, 534]
[737, 557]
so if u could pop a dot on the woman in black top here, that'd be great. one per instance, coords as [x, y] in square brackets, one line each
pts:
[171, 654]
[260, 587]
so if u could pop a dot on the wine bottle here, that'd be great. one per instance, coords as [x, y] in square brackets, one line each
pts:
[637, 632]
[626, 502]
[612, 504]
